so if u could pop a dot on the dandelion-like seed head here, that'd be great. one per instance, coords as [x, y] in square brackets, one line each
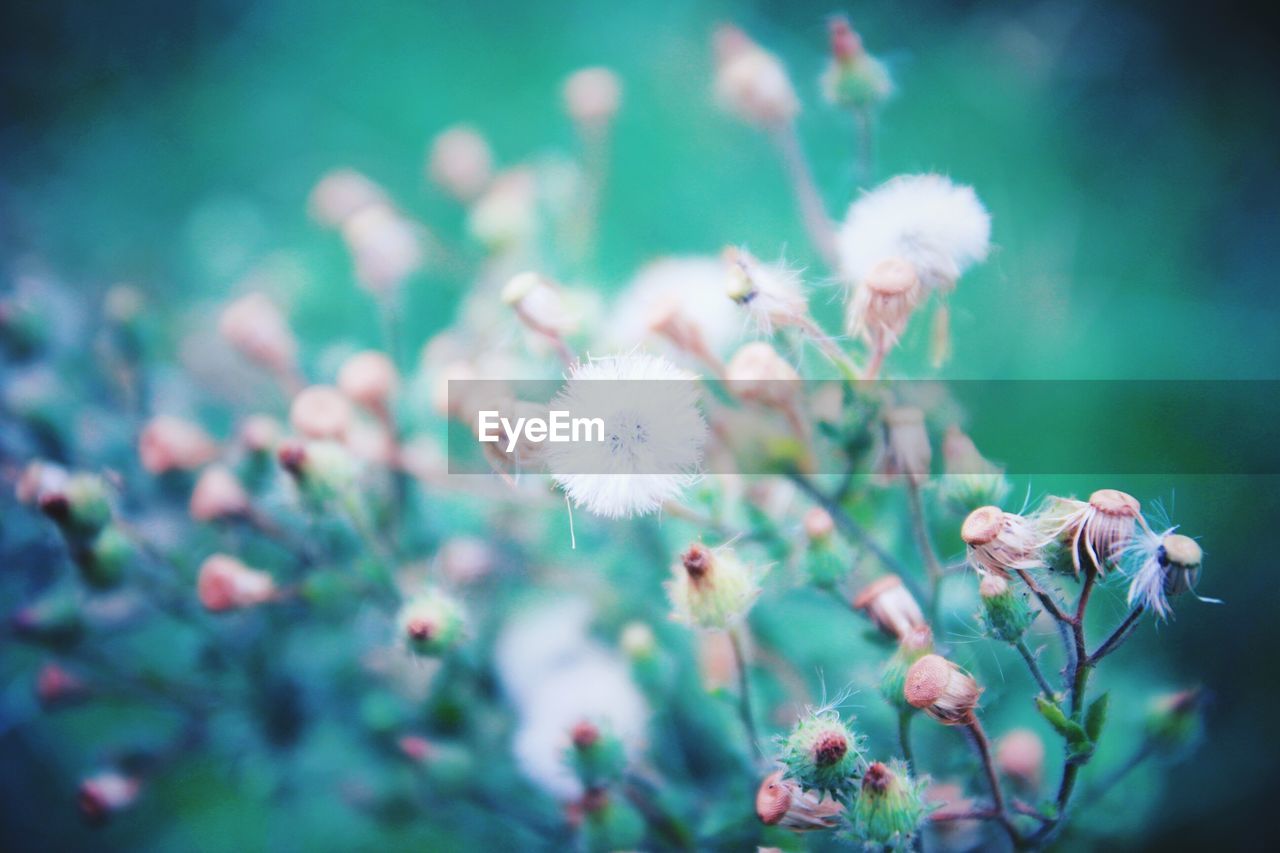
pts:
[942, 690]
[938, 227]
[772, 294]
[1096, 531]
[1162, 565]
[653, 435]
[883, 302]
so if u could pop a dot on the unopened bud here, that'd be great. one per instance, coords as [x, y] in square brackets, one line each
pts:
[711, 589]
[909, 452]
[56, 686]
[1175, 723]
[1020, 757]
[823, 754]
[369, 379]
[225, 584]
[637, 641]
[596, 756]
[105, 794]
[942, 690]
[752, 83]
[56, 619]
[969, 481]
[171, 444]
[854, 78]
[916, 644]
[1006, 615]
[460, 162]
[257, 329]
[321, 412]
[218, 495]
[592, 96]
[889, 807]
[342, 193]
[431, 624]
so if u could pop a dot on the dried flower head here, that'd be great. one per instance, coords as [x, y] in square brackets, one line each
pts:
[882, 303]
[999, 542]
[1020, 757]
[257, 329]
[1097, 531]
[757, 373]
[938, 228]
[711, 588]
[1162, 565]
[823, 754]
[218, 494]
[889, 807]
[369, 379]
[890, 606]
[540, 304]
[782, 802]
[942, 690]
[430, 624]
[321, 412]
[225, 584]
[917, 643]
[592, 97]
[172, 444]
[751, 82]
[653, 435]
[969, 480]
[460, 162]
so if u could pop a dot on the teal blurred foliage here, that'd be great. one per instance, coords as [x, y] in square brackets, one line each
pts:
[1127, 155]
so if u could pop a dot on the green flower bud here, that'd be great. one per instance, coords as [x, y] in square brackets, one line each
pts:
[711, 589]
[596, 756]
[324, 470]
[855, 78]
[913, 646]
[104, 564]
[55, 619]
[611, 823]
[81, 507]
[431, 624]
[1175, 723]
[969, 481]
[823, 754]
[1006, 615]
[890, 806]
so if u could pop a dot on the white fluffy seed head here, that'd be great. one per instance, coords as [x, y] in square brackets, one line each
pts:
[939, 227]
[653, 435]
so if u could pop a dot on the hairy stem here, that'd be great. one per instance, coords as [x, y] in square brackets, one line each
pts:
[745, 707]
[904, 738]
[982, 746]
[1118, 636]
[1032, 665]
[816, 222]
[924, 542]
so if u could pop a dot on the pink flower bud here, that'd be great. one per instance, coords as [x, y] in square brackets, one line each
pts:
[460, 162]
[369, 378]
[39, 479]
[465, 559]
[751, 82]
[942, 690]
[260, 433]
[56, 686]
[256, 328]
[1020, 756]
[385, 247]
[340, 194]
[756, 372]
[818, 524]
[592, 96]
[218, 494]
[321, 412]
[416, 748]
[891, 607]
[172, 444]
[105, 794]
[225, 584]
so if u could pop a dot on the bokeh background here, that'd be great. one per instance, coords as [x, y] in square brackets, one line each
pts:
[1127, 153]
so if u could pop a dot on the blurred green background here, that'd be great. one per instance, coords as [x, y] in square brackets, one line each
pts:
[1127, 153]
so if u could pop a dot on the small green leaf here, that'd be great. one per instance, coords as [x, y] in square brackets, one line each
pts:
[1071, 730]
[1096, 717]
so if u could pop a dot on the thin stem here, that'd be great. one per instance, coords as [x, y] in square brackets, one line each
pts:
[1082, 666]
[904, 738]
[1099, 790]
[982, 746]
[1118, 636]
[864, 122]
[1046, 600]
[850, 528]
[812, 211]
[924, 542]
[745, 708]
[1032, 665]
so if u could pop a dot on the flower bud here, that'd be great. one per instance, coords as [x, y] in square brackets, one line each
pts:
[260, 433]
[256, 329]
[637, 641]
[610, 823]
[386, 248]
[591, 97]
[942, 690]
[916, 644]
[104, 564]
[998, 542]
[466, 559]
[908, 450]
[782, 802]
[39, 478]
[758, 374]
[323, 470]
[105, 794]
[321, 412]
[823, 754]
[1095, 532]
[460, 162]
[506, 215]
[1020, 757]
[889, 806]
[218, 495]
[539, 303]
[883, 303]
[750, 82]
[342, 193]
[430, 624]
[822, 564]
[225, 583]
[81, 507]
[56, 687]
[596, 756]
[854, 79]
[1175, 723]
[711, 589]
[969, 480]
[171, 444]
[369, 379]
[1005, 613]
[56, 619]
[818, 524]
[891, 607]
